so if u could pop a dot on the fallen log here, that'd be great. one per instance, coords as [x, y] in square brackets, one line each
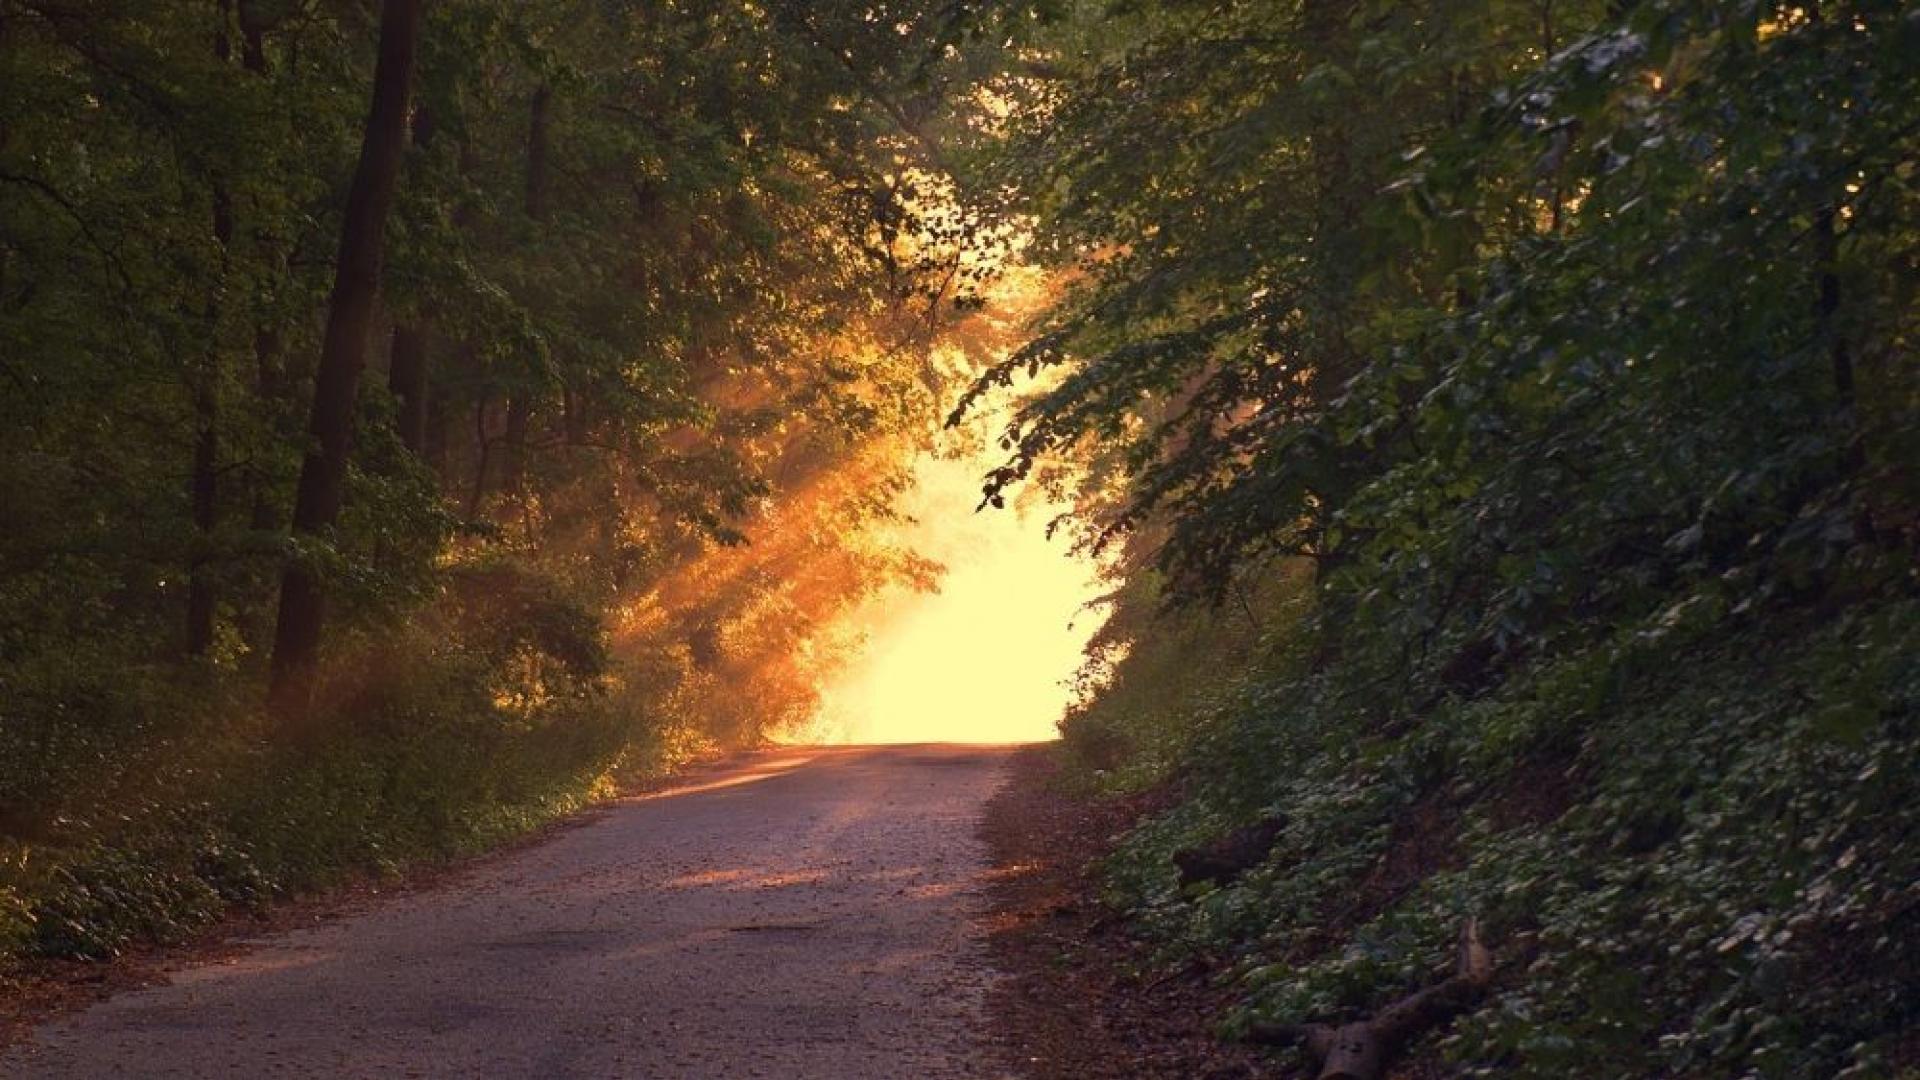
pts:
[1232, 855]
[1360, 1050]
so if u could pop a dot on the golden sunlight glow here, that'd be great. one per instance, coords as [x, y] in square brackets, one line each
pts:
[765, 767]
[986, 658]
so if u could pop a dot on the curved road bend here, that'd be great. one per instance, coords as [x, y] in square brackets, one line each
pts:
[802, 913]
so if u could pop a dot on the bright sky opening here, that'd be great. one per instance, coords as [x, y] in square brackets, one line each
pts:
[986, 659]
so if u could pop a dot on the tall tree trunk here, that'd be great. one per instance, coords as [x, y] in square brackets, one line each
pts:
[407, 381]
[407, 362]
[482, 457]
[539, 179]
[1826, 311]
[461, 363]
[203, 486]
[576, 419]
[266, 339]
[433, 439]
[204, 494]
[513, 444]
[253, 45]
[513, 458]
[268, 388]
[343, 353]
[1826, 305]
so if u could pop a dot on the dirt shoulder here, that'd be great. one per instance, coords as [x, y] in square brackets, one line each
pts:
[1072, 1006]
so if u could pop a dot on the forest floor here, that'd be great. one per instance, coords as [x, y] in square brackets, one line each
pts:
[1080, 999]
[794, 913]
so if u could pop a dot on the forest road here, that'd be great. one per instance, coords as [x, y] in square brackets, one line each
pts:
[793, 914]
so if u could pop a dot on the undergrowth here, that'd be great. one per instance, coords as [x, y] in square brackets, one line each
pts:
[1691, 846]
[143, 807]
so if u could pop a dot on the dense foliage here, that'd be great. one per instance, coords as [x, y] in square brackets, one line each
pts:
[657, 293]
[1501, 416]
[1516, 402]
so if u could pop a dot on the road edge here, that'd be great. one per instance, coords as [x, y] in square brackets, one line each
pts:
[1079, 997]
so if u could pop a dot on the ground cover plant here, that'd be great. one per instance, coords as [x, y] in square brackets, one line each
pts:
[1501, 418]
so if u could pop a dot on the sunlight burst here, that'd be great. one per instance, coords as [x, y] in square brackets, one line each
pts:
[986, 658]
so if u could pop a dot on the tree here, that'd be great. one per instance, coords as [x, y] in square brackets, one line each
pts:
[323, 472]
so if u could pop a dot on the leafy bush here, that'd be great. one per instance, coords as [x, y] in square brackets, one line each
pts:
[151, 803]
[1566, 356]
[1696, 854]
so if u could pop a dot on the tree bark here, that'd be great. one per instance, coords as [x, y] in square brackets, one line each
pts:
[575, 416]
[253, 46]
[407, 381]
[203, 486]
[267, 387]
[482, 458]
[513, 444]
[463, 360]
[1826, 306]
[513, 457]
[407, 362]
[204, 494]
[433, 440]
[1362, 1049]
[323, 471]
[266, 339]
[538, 175]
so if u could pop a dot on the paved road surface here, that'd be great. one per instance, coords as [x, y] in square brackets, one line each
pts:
[799, 914]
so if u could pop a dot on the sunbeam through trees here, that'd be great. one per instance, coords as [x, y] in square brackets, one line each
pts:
[1444, 470]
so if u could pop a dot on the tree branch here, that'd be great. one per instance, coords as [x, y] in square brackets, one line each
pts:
[1361, 1050]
